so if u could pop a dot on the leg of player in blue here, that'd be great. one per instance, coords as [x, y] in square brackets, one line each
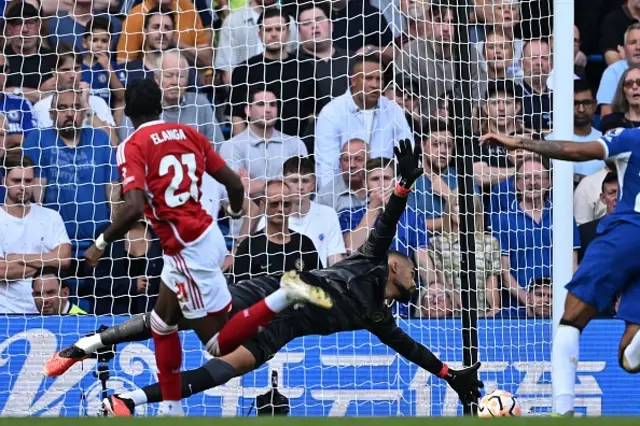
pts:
[609, 269]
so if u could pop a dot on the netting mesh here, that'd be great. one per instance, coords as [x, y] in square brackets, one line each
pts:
[316, 94]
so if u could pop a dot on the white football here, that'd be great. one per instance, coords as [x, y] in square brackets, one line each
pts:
[498, 403]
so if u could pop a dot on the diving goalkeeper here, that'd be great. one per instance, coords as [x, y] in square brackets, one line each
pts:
[360, 287]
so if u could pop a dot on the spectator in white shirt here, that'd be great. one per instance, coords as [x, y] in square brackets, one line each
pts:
[68, 75]
[361, 113]
[612, 75]
[31, 237]
[316, 221]
[239, 39]
[258, 153]
[587, 205]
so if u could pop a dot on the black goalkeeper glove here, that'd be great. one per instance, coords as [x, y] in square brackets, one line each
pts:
[465, 383]
[408, 159]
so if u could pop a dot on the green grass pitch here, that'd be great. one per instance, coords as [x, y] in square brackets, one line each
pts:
[315, 421]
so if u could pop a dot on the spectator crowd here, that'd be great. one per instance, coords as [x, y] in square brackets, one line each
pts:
[305, 100]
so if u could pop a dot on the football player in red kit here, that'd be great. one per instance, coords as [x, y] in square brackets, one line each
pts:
[161, 165]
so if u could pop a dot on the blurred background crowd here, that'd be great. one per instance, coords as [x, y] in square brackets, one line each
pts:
[305, 99]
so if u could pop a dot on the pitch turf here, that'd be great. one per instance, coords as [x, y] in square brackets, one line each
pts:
[314, 421]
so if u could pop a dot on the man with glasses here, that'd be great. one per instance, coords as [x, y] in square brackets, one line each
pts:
[31, 64]
[612, 75]
[584, 107]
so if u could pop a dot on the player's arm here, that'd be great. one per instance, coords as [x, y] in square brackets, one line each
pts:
[561, 150]
[381, 236]
[463, 381]
[132, 170]
[131, 211]
[216, 167]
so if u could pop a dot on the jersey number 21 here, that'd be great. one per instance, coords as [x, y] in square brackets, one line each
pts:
[171, 195]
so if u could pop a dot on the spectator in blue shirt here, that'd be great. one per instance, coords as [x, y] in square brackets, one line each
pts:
[16, 110]
[97, 68]
[71, 27]
[411, 235]
[525, 230]
[76, 169]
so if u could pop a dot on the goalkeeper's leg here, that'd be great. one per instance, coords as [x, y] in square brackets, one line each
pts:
[267, 295]
[216, 371]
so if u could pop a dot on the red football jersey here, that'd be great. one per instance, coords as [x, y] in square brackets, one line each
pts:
[167, 161]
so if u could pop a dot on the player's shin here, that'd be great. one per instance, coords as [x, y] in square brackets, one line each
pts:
[631, 355]
[168, 353]
[566, 351]
[245, 324]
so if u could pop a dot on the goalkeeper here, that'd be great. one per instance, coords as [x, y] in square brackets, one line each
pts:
[360, 287]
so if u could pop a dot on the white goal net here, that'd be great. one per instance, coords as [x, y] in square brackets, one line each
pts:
[315, 94]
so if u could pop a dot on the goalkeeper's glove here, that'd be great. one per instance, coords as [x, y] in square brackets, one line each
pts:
[464, 381]
[408, 159]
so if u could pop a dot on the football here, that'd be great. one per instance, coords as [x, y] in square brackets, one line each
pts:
[498, 403]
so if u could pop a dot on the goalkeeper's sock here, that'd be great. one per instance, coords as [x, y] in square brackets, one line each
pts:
[214, 373]
[139, 397]
[246, 324]
[133, 330]
[90, 344]
[566, 351]
[168, 353]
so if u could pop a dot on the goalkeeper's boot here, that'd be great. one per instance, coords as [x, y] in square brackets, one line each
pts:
[299, 291]
[62, 361]
[116, 406]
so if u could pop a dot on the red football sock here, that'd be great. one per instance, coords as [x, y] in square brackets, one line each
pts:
[243, 326]
[168, 360]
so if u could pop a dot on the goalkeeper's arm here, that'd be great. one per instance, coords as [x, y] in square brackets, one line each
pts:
[464, 381]
[381, 236]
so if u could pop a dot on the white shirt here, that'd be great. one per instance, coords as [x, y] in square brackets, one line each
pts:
[322, 226]
[98, 105]
[342, 120]
[213, 192]
[239, 39]
[586, 198]
[39, 232]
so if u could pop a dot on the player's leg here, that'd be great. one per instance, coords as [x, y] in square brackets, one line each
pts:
[629, 351]
[168, 350]
[602, 275]
[218, 371]
[629, 311]
[133, 330]
[566, 352]
[245, 295]
[244, 326]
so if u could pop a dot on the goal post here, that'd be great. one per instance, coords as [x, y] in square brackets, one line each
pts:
[562, 170]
